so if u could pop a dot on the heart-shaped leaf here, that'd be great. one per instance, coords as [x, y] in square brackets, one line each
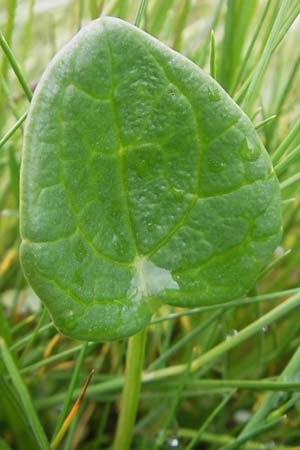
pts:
[142, 182]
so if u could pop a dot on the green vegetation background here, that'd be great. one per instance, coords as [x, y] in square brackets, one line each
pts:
[244, 392]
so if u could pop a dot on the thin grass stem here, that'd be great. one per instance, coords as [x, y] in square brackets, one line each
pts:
[140, 13]
[13, 129]
[15, 66]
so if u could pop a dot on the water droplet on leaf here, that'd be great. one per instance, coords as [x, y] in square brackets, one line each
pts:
[213, 93]
[250, 150]
[231, 334]
[69, 313]
[242, 416]
[279, 251]
[173, 442]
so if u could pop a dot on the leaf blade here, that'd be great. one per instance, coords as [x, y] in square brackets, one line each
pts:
[140, 154]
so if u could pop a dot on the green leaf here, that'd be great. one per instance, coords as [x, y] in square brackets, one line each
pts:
[142, 183]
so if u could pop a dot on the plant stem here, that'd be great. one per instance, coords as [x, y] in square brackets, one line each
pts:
[131, 390]
[140, 13]
[21, 395]
[12, 131]
[291, 180]
[212, 54]
[15, 66]
[12, 5]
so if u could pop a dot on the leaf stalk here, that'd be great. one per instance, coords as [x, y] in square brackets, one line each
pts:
[131, 390]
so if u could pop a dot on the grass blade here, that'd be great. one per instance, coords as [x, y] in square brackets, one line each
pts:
[23, 397]
[15, 66]
[69, 419]
[12, 131]
[290, 373]
[209, 420]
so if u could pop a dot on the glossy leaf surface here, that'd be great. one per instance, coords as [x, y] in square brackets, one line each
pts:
[142, 182]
